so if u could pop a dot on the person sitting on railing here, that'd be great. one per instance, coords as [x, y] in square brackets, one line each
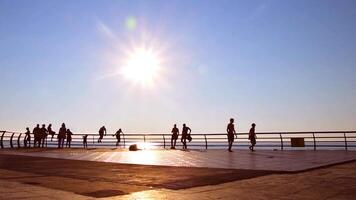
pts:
[118, 136]
[62, 135]
[36, 135]
[185, 132]
[27, 139]
[102, 131]
[43, 135]
[175, 134]
[85, 143]
[69, 138]
[50, 131]
[231, 133]
[252, 136]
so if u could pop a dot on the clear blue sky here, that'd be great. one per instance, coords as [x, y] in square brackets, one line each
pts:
[285, 65]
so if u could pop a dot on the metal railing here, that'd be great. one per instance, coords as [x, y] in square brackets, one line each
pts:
[276, 140]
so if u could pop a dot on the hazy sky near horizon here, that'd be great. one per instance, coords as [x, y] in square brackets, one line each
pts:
[285, 65]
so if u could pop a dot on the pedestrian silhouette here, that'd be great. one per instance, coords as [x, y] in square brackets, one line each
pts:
[175, 134]
[69, 138]
[85, 143]
[118, 136]
[62, 135]
[231, 133]
[43, 134]
[185, 134]
[50, 131]
[102, 131]
[252, 136]
[36, 135]
[27, 140]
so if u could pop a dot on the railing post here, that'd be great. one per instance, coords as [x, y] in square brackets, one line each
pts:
[18, 141]
[123, 136]
[1, 141]
[280, 136]
[93, 141]
[12, 136]
[314, 142]
[345, 141]
[164, 141]
[144, 141]
[206, 142]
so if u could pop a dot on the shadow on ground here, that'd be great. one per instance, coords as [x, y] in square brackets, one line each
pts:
[101, 179]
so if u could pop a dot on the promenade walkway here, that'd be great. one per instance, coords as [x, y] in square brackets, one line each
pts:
[169, 174]
[239, 159]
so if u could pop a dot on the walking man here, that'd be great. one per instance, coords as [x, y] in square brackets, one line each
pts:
[27, 139]
[231, 133]
[69, 138]
[252, 136]
[85, 143]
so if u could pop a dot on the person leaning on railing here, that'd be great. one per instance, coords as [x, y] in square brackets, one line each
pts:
[174, 137]
[185, 135]
[118, 136]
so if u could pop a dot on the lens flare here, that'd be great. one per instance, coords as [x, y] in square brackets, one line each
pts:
[142, 67]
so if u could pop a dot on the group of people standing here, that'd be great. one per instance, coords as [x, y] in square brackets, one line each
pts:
[231, 135]
[41, 134]
[64, 134]
[185, 136]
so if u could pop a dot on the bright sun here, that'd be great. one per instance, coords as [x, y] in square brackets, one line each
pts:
[142, 67]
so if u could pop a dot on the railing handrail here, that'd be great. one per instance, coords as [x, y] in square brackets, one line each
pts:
[201, 139]
[213, 133]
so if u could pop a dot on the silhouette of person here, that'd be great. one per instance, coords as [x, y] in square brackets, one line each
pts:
[102, 131]
[252, 136]
[69, 138]
[50, 131]
[85, 143]
[118, 136]
[231, 133]
[185, 133]
[27, 139]
[61, 135]
[43, 134]
[36, 135]
[175, 134]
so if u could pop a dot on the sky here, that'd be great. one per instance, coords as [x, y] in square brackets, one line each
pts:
[284, 65]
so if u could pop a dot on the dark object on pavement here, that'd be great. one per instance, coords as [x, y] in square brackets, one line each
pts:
[133, 147]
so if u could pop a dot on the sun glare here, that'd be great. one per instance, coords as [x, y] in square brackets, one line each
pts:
[142, 67]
